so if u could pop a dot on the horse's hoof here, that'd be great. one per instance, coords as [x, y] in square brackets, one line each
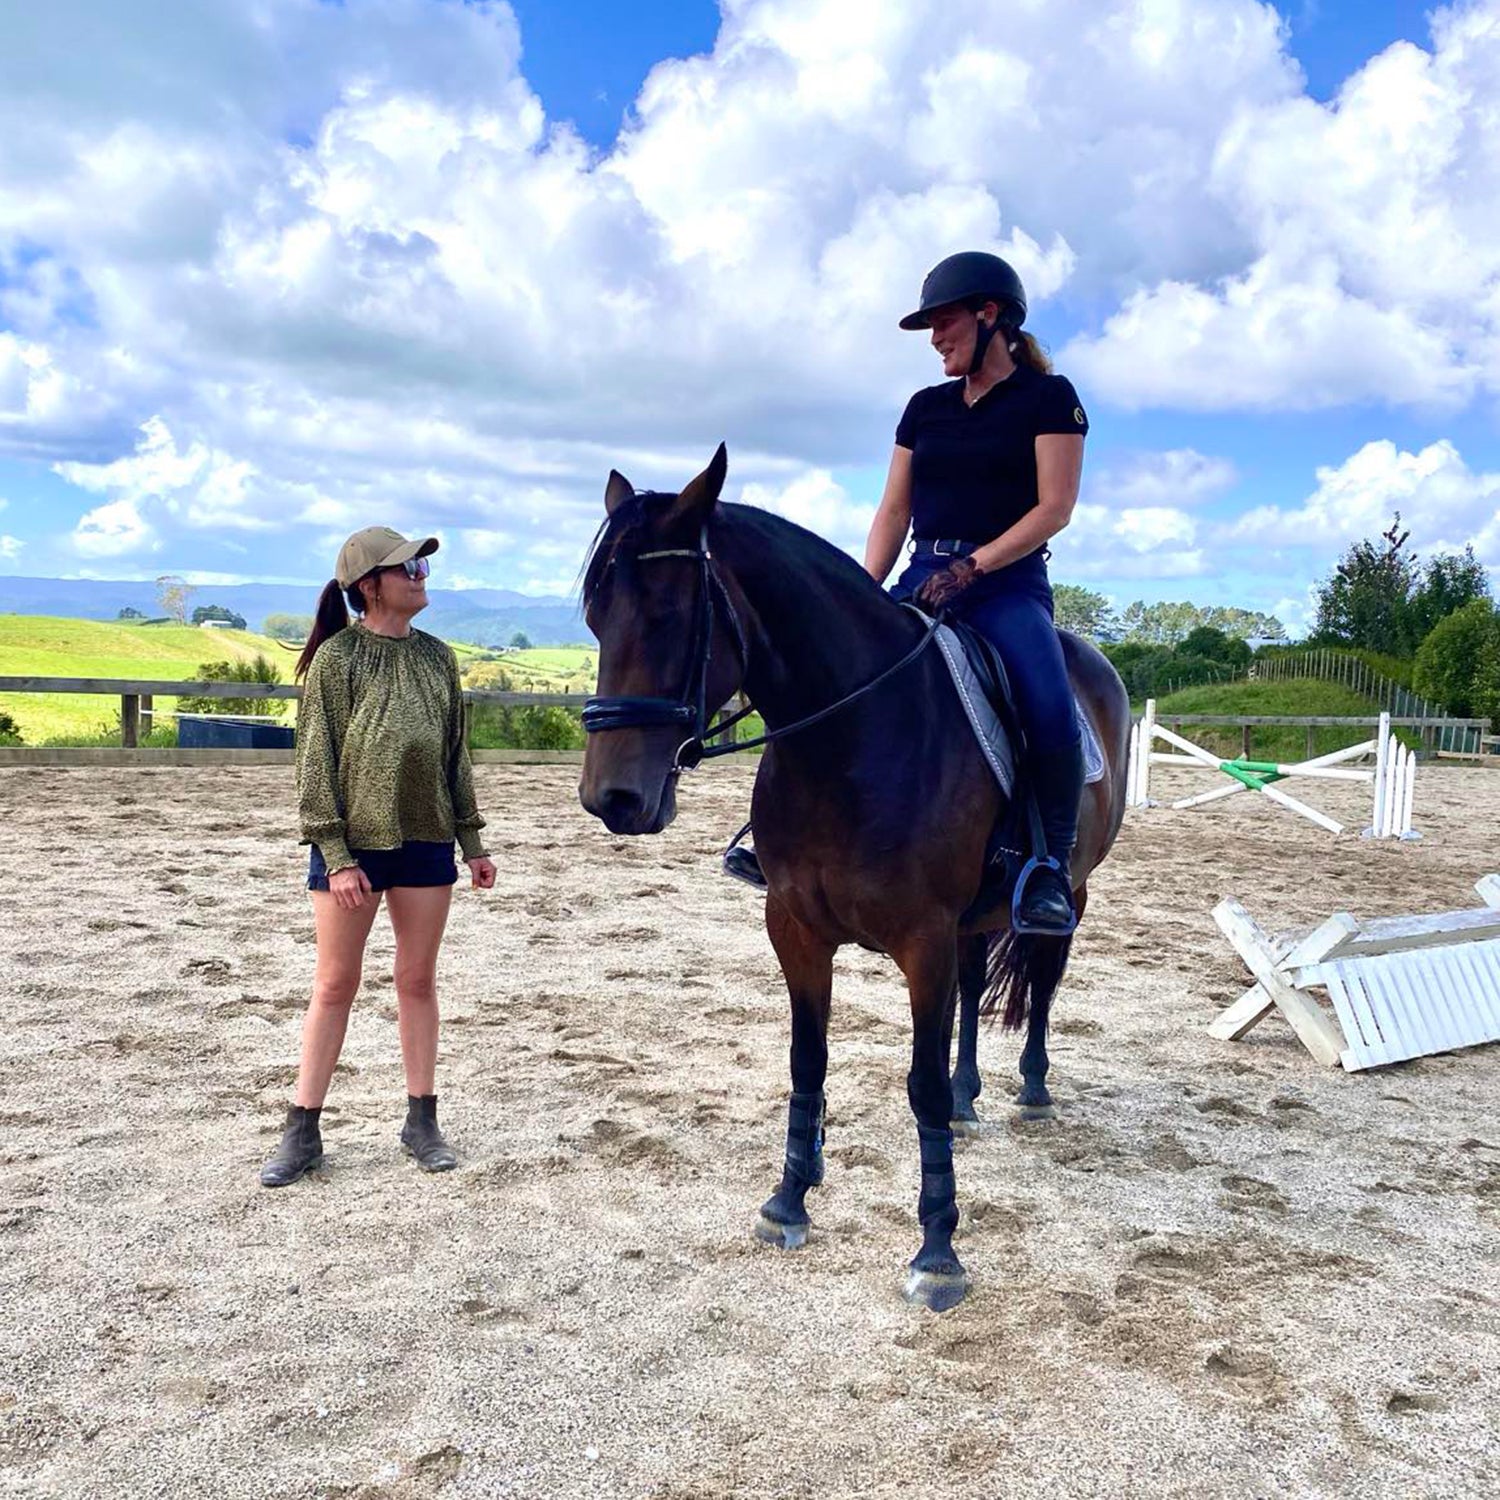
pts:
[1034, 1114]
[968, 1125]
[936, 1290]
[783, 1236]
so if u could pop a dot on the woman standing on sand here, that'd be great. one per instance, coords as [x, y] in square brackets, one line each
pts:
[384, 785]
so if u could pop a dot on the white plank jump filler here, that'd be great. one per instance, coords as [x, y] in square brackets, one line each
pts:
[1392, 777]
[1401, 987]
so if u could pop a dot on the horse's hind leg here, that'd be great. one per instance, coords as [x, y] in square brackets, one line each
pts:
[967, 1084]
[807, 963]
[1046, 958]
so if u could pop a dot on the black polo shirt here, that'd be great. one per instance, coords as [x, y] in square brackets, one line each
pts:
[973, 468]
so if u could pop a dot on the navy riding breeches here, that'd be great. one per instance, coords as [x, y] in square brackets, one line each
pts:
[1012, 609]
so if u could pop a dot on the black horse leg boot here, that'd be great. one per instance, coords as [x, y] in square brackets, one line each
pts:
[1057, 781]
[422, 1138]
[301, 1148]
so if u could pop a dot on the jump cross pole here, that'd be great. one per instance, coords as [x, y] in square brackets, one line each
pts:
[1392, 777]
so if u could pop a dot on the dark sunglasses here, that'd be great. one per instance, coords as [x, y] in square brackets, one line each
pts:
[414, 567]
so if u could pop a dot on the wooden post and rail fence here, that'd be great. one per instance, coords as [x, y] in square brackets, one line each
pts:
[138, 712]
[1442, 736]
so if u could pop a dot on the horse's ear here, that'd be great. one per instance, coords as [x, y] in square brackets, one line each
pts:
[700, 495]
[617, 491]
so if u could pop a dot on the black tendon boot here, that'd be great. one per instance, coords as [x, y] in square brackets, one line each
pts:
[783, 1217]
[301, 1148]
[422, 1138]
[1046, 904]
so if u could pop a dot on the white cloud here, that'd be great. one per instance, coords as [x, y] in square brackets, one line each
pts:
[112, 530]
[1374, 231]
[817, 501]
[1137, 542]
[1446, 504]
[336, 263]
[1176, 476]
[10, 547]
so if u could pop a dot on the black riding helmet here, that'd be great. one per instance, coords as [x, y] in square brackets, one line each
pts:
[972, 276]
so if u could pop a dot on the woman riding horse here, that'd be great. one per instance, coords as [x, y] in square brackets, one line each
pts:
[984, 474]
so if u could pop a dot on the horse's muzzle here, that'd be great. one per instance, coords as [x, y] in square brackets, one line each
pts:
[625, 811]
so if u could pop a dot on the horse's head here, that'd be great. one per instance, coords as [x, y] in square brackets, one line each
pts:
[669, 648]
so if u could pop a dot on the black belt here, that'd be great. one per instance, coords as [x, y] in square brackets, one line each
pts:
[924, 546]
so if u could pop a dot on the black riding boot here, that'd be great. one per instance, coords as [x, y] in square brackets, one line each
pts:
[301, 1148]
[422, 1138]
[1057, 783]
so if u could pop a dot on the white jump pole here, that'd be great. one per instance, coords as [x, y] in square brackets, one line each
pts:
[1382, 776]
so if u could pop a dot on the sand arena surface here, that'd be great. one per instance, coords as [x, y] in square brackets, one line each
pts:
[1224, 1272]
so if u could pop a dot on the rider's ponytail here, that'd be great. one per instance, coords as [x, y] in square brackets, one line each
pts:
[1025, 350]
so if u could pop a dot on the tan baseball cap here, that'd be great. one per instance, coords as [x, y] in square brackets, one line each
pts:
[377, 547]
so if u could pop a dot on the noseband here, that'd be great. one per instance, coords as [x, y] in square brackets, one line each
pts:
[690, 711]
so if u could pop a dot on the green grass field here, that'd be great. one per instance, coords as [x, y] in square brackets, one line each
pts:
[43, 646]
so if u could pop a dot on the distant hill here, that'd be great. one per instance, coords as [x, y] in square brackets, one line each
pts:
[488, 617]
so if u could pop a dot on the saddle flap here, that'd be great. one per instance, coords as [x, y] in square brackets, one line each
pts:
[984, 690]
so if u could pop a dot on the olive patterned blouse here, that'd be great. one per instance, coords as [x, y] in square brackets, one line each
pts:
[381, 751]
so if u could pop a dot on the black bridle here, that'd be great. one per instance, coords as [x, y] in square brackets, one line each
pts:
[691, 711]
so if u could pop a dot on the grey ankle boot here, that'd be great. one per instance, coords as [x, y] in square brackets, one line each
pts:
[301, 1148]
[422, 1138]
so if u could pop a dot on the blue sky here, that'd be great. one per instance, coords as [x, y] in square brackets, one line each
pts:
[271, 271]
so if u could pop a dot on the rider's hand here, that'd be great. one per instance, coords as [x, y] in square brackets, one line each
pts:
[939, 591]
[482, 872]
[350, 888]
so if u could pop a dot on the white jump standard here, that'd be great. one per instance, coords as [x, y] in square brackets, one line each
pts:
[1401, 987]
[1392, 777]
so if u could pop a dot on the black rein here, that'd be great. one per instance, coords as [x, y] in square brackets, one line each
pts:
[691, 710]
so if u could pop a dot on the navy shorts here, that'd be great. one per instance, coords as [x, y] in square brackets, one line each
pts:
[414, 863]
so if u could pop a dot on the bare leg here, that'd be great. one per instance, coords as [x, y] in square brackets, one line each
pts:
[418, 915]
[341, 951]
[807, 963]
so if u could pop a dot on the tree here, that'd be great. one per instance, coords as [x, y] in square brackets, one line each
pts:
[1244, 624]
[1450, 661]
[1449, 581]
[1159, 624]
[218, 612]
[489, 677]
[287, 627]
[1083, 612]
[260, 669]
[1366, 602]
[172, 594]
[1214, 645]
[128, 613]
[1486, 686]
[519, 642]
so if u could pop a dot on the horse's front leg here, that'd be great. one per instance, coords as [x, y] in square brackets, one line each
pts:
[936, 1278]
[973, 953]
[807, 963]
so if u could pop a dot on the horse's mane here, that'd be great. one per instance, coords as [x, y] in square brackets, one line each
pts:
[627, 530]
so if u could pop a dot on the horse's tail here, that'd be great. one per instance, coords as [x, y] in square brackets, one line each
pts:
[1022, 972]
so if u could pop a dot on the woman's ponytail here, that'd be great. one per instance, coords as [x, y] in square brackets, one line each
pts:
[334, 605]
[1025, 350]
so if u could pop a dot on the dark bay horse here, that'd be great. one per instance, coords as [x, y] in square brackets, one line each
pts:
[871, 824]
